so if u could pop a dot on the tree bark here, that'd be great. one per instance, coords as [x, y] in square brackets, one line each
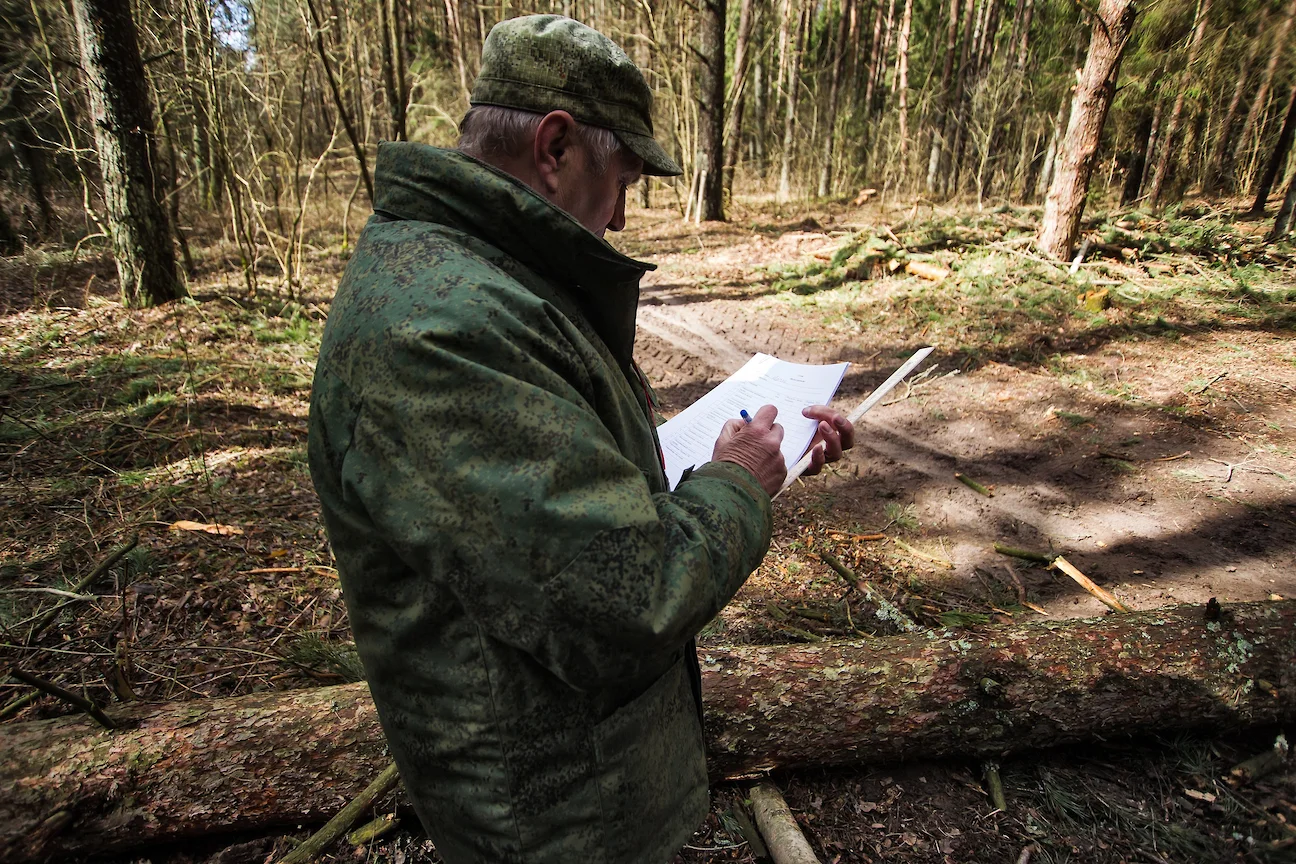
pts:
[738, 98]
[31, 154]
[955, 118]
[1171, 148]
[1282, 220]
[10, 241]
[791, 86]
[1138, 162]
[122, 117]
[1261, 97]
[1277, 158]
[1216, 168]
[711, 121]
[1023, 45]
[181, 770]
[393, 51]
[938, 146]
[1093, 97]
[902, 84]
[834, 88]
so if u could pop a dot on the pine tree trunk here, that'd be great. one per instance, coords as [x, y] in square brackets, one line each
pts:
[393, 73]
[711, 122]
[1049, 165]
[734, 120]
[122, 115]
[1023, 46]
[956, 118]
[1093, 97]
[1216, 167]
[184, 770]
[1171, 148]
[1153, 141]
[10, 242]
[945, 99]
[902, 84]
[834, 87]
[31, 155]
[875, 59]
[1277, 158]
[791, 87]
[1261, 97]
[1134, 170]
[1282, 221]
[454, 29]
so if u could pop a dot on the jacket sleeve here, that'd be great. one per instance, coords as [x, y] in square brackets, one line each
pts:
[477, 457]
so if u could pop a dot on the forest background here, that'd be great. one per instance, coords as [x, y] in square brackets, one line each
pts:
[245, 116]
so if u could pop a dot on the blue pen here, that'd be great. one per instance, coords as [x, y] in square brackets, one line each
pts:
[743, 414]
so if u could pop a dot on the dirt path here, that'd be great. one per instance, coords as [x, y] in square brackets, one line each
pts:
[1165, 495]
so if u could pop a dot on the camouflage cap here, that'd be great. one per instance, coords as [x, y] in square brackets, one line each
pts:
[549, 63]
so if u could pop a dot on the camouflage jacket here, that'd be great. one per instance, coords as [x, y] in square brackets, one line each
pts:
[521, 584]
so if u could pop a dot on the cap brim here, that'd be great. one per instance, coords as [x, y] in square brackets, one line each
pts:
[656, 162]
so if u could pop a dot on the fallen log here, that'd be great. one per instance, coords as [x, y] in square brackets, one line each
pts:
[173, 771]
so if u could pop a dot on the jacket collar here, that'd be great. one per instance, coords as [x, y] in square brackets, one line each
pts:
[428, 184]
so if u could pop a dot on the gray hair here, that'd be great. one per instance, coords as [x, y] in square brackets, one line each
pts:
[489, 131]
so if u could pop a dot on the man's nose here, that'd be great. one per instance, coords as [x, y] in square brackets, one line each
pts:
[618, 214]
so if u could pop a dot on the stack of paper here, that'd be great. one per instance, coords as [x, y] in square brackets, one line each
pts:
[688, 438]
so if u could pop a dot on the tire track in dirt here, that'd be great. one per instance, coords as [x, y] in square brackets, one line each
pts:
[696, 345]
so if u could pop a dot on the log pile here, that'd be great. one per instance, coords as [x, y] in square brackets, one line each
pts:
[168, 772]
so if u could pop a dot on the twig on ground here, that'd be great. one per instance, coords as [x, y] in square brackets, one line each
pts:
[371, 831]
[886, 610]
[944, 562]
[71, 698]
[338, 825]
[1261, 764]
[104, 566]
[1229, 465]
[1017, 583]
[1276, 383]
[17, 704]
[782, 835]
[973, 485]
[1089, 585]
[1024, 554]
[748, 831]
[994, 786]
[1208, 384]
[1026, 853]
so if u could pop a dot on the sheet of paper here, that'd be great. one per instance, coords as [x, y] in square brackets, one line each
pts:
[688, 438]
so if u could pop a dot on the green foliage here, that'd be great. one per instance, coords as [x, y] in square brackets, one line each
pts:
[902, 516]
[319, 655]
[955, 618]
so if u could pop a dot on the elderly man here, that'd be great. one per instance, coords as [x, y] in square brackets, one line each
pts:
[523, 587]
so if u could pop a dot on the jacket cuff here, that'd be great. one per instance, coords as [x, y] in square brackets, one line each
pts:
[734, 473]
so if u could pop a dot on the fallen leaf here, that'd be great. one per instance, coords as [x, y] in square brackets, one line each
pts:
[207, 528]
[1200, 796]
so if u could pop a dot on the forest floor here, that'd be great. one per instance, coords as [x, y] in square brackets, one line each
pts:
[1137, 414]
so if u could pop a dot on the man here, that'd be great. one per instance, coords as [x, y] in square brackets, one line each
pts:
[523, 587]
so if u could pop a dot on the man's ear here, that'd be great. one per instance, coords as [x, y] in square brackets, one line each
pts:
[552, 149]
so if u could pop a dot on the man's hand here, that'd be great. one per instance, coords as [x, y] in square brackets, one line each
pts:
[755, 446]
[835, 433]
